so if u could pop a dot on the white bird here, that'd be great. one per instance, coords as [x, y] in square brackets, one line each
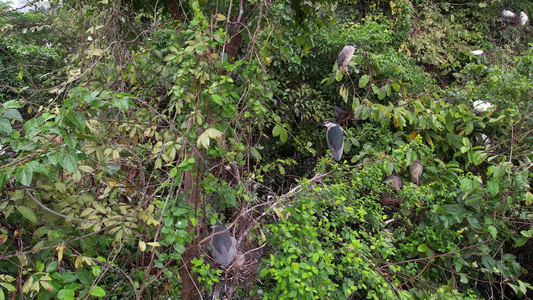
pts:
[523, 18]
[508, 14]
[482, 106]
[477, 52]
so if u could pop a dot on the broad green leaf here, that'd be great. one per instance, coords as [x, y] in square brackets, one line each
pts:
[529, 198]
[69, 162]
[66, 294]
[364, 80]
[98, 292]
[493, 231]
[469, 127]
[122, 102]
[338, 76]
[493, 188]
[13, 114]
[77, 119]
[5, 125]
[170, 57]
[12, 104]
[218, 100]
[422, 248]
[300, 40]
[51, 267]
[24, 175]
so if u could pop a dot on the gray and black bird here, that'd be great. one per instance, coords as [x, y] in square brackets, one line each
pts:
[223, 245]
[416, 169]
[345, 56]
[394, 182]
[335, 139]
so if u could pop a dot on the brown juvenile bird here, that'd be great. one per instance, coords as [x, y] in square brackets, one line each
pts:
[394, 181]
[416, 170]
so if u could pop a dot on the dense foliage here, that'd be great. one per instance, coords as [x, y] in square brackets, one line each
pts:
[128, 128]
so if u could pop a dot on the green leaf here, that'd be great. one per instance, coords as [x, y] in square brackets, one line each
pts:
[24, 175]
[300, 40]
[27, 213]
[77, 119]
[12, 104]
[276, 130]
[98, 292]
[422, 248]
[122, 102]
[218, 100]
[69, 162]
[65, 294]
[493, 231]
[493, 188]
[338, 76]
[13, 114]
[469, 127]
[449, 122]
[5, 126]
[364, 80]
[529, 198]
[51, 267]
[170, 57]
[521, 241]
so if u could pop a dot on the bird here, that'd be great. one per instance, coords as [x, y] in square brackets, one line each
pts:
[481, 106]
[477, 52]
[416, 170]
[335, 139]
[223, 245]
[345, 56]
[394, 181]
[523, 18]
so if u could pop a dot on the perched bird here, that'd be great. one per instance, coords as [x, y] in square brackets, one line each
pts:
[507, 14]
[416, 170]
[223, 245]
[481, 106]
[345, 56]
[394, 181]
[523, 18]
[340, 114]
[335, 139]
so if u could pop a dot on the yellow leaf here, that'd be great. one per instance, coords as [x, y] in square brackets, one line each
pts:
[78, 263]
[3, 238]
[27, 285]
[278, 212]
[396, 123]
[142, 246]
[47, 285]
[412, 134]
[220, 17]
[154, 244]
[60, 250]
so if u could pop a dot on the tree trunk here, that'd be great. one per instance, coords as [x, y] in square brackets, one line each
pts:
[174, 8]
[190, 289]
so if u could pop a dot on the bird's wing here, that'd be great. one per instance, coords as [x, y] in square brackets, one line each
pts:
[339, 58]
[222, 242]
[336, 138]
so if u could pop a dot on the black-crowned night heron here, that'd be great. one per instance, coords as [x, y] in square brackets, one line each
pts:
[345, 56]
[394, 182]
[335, 139]
[223, 245]
[416, 170]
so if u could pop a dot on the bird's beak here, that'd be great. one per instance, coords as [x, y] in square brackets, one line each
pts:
[321, 124]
